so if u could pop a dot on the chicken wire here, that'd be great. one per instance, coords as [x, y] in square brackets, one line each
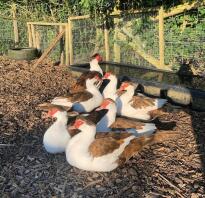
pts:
[136, 35]
[47, 33]
[185, 38]
[6, 35]
[131, 33]
[87, 39]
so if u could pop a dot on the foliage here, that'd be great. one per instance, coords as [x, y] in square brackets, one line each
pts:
[184, 34]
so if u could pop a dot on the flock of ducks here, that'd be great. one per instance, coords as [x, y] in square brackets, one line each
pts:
[100, 130]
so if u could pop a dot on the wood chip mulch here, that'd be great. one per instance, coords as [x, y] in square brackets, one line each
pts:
[174, 168]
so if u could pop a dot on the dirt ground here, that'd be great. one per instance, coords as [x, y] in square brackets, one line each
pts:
[171, 169]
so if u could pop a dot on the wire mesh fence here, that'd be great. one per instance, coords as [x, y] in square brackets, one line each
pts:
[88, 39]
[6, 35]
[185, 37]
[133, 38]
[46, 34]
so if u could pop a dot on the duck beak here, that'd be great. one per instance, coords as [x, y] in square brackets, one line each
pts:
[98, 83]
[73, 114]
[71, 128]
[99, 108]
[44, 115]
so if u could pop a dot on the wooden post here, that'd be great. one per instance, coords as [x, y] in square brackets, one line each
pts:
[38, 41]
[70, 42]
[15, 25]
[106, 40]
[29, 35]
[116, 46]
[48, 50]
[33, 36]
[61, 28]
[161, 37]
[67, 45]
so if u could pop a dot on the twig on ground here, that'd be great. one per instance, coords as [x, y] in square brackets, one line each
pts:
[172, 185]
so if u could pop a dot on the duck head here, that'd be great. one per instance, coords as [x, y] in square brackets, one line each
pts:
[94, 66]
[126, 87]
[57, 111]
[83, 124]
[109, 76]
[108, 104]
[96, 57]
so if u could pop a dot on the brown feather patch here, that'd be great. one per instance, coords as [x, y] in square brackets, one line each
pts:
[138, 144]
[106, 143]
[123, 123]
[140, 102]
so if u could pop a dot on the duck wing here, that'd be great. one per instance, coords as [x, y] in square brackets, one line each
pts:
[142, 102]
[72, 98]
[123, 123]
[106, 143]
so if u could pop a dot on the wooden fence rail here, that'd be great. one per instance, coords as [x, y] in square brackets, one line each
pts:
[34, 37]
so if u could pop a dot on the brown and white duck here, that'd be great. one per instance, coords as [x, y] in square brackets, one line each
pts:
[138, 106]
[86, 100]
[107, 151]
[109, 122]
[80, 84]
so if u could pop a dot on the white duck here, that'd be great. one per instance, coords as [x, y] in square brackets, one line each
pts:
[56, 136]
[139, 106]
[84, 101]
[109, 122]
[107, 151]
[94, 63]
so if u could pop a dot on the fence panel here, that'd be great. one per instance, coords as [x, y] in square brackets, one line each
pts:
[185, 38]
[134, 39]
[87, 39]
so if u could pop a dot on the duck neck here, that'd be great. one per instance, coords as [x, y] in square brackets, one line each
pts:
[92, 89]
[85, 137]
[127, 96]
[110, 89]
[94, 66]
[107, 120]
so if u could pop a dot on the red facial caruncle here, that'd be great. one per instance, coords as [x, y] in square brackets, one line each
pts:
[106, 76]
[52, 112]
[78, 123]
[123, 86]
[98, 58]
[105, 104]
